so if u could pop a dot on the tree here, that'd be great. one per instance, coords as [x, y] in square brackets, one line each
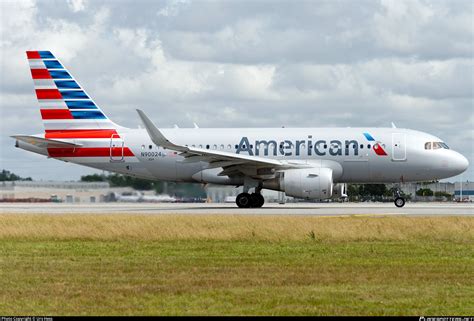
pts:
[93, 178]
[443, 194]
[374, 190]
[424, 192]
[353, 192]
[8, 176]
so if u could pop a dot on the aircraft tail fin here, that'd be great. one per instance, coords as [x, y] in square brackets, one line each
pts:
[64, 104]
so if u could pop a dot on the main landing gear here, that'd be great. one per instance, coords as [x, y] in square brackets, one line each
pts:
[399, 200]
[247, 200]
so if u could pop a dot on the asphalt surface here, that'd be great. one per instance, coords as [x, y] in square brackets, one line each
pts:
[316, 209]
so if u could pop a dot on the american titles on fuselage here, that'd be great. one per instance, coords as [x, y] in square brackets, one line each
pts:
[307, 147]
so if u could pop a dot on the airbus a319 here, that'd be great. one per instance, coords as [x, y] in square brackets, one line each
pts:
[309, 163]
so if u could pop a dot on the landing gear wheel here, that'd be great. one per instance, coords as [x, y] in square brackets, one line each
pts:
[243, 200]
[256, 200]
[399, 202]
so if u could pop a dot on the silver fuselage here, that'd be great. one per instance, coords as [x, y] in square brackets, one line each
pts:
[345, 150]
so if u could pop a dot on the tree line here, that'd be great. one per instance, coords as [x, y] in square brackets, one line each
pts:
[194, 190]
[9, 176]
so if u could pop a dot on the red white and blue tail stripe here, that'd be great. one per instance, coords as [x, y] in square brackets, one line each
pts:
[63, 102]
[70, 116]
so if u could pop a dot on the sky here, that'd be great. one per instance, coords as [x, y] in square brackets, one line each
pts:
[245, 64]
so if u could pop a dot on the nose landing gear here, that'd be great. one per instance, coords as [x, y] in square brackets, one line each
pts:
[399, 200]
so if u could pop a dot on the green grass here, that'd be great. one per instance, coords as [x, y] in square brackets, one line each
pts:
[418, 274]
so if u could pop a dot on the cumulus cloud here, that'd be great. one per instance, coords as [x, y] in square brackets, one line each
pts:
[76, 5]
[323, 63]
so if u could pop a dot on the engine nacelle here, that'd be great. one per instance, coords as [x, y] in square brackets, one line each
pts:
[308, 183]
[339, 191]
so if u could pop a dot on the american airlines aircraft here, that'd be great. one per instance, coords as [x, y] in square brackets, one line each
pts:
[309, 163]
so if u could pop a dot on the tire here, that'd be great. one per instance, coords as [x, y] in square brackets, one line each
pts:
[399, 202]
[243, 200]
[256, 200]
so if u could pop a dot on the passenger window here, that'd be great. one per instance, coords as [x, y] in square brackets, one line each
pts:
[207, 146]
[229, 146]
[150, 146]
[222, 146]
[368, 146]
[361, 146]
[143, 146]
[215, 146]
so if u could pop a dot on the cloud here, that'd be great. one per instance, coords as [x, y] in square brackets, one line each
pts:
[76, 5]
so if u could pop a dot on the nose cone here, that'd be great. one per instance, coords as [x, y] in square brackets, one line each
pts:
[459, 163]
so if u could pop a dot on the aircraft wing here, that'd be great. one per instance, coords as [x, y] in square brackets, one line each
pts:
[214, 157]
[44, 143]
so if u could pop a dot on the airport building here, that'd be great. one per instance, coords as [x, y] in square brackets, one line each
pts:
[457, 190]
[464, 191]
[69, 192]
[92, 192]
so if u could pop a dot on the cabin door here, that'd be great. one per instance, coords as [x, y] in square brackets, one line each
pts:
[399, 148]
[116, 148]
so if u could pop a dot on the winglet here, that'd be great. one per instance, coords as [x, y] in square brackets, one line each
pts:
[155, 134]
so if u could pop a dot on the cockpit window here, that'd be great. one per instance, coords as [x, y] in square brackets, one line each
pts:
[435, 145]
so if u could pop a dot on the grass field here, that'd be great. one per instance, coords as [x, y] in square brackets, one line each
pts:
[235, 265]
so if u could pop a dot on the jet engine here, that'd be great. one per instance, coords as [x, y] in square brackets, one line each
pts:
[308, 183]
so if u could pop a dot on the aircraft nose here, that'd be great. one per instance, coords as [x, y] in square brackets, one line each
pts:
[459, 163]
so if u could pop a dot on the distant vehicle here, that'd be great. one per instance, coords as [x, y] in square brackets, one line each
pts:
[229, 199]
[162, 198]
[128, 196]
[137, 196]
[308, 163]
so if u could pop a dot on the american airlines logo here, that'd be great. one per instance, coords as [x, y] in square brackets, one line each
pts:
[307, 147]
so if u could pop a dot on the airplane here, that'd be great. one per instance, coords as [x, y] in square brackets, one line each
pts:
[308, 163]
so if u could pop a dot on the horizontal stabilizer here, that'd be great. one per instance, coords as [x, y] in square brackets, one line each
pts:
[44, 143]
